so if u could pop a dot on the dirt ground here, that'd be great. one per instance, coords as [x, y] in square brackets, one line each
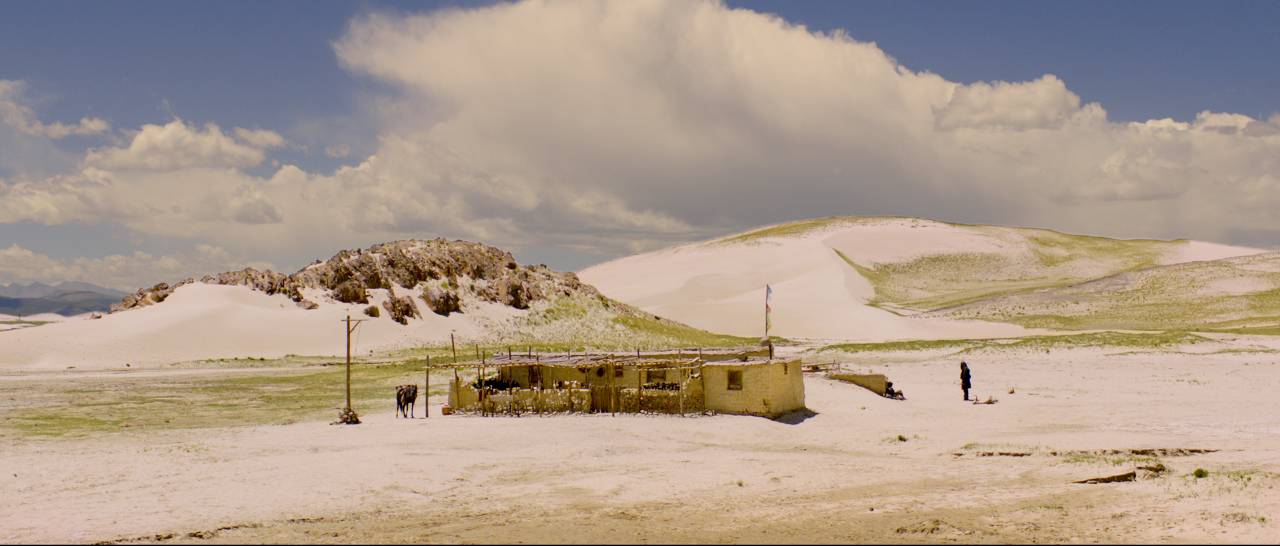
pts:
[862, 468]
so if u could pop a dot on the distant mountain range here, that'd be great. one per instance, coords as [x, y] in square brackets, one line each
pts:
[64, 298]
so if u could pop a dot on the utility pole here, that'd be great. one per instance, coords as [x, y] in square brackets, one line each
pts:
[352, 324]
[454, 347]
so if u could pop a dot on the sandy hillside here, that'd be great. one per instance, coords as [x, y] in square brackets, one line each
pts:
[959, 472]
[208, 321]
[1226, 294]
[866, 278]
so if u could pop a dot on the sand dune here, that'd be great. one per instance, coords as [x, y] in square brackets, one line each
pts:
[210, 321]
[822, 273]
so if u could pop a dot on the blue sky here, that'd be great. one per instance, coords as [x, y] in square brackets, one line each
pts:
[1142, 59]
[273, 66]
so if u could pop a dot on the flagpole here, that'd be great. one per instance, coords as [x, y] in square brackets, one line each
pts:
[768, 294]
[766, 311]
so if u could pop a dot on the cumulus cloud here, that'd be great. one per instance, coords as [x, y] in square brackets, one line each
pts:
[609, 127]
[177, 145]
[125, 272]
[259, 138]
[15, 113]
[1040, 104]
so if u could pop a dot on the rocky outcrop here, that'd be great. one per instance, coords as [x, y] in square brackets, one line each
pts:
[442, 301]
[448, 273]
[145, 296]
[401, 308]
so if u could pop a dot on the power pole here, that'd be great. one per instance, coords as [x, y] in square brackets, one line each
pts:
[351, 327]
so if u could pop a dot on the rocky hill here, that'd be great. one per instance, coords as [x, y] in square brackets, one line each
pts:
[436, 286]
[444, 273]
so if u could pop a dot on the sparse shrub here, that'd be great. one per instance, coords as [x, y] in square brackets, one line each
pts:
[902, 438]
[351, 291]
[1200, 473]
[373, 311]
[1011, 390]
[741, 484]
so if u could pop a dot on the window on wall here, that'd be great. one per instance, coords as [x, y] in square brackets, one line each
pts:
[617, 371]
[735, 380]
[655, 376]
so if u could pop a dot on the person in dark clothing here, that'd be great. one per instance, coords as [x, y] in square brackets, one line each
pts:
[965, 384]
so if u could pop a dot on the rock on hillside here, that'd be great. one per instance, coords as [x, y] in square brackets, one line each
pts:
[444, 273]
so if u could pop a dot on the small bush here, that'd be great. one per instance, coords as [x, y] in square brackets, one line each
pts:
[351, 292]
[902, 438]
[373, 311]
[1200, 473]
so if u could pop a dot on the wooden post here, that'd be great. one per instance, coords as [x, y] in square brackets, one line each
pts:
[508, 352]
[529, 354]
[350, 328]
[348, 363]
[454, 347]
[681, 387]
[426, 390]
[639, 387]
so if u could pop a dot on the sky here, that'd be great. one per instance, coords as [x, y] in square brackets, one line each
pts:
[152, 141]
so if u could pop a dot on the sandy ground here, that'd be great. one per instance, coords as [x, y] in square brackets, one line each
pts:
[840, 475]
[208, 321]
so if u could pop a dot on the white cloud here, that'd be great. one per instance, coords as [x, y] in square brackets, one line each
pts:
[177, 145]
[259, 138]
[16, 114]
[1041, 104]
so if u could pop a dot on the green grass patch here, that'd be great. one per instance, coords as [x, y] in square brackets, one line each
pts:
[789, 229]
[20, 322]
[115, 405]
[1146, 340]
[671, 333]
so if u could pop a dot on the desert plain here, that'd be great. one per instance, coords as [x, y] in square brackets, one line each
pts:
[861, 467]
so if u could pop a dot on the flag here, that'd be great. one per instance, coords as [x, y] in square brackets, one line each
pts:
[768, 299]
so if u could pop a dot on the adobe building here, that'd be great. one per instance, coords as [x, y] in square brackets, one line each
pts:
[735, 383]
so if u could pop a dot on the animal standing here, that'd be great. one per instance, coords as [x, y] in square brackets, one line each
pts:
[406, 395]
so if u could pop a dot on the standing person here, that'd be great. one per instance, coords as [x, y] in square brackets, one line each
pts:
[965, 384]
